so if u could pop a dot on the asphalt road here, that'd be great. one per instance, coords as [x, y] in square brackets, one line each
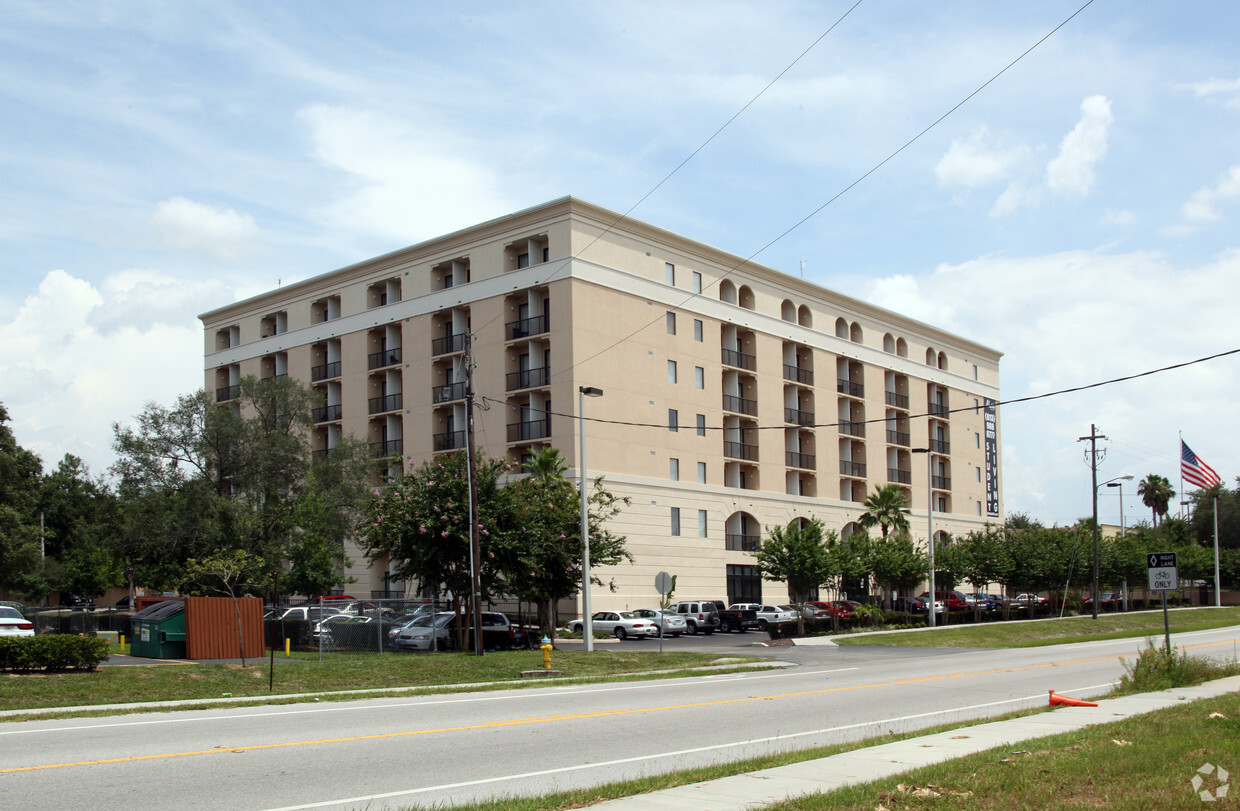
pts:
[402, 752]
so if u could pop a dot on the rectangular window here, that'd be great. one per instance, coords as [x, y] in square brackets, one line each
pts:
[523, 260]
[673, 420]
[977, 440]
[675, 521]
[975, 371]
[979, 508]
[744, 585]
[701, 523]
[699, 377]
[979, 473]
[671, 371]
[701, 425]
[942, 505]
[670, 273]
[673, 469]
[697, 329]
[697, 282]
[975, 405]
[701, 473]
[671, 323]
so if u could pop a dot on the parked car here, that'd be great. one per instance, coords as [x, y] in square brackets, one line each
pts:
[302, 613]
[768, 614]
[701, 616]
[818, 610]
[12, 623]
[77, 601]
[669, 622]
[845, 609]
[417, 635]
[620, 624]
[954, 600]
[917, 605]
[734, 618]
[1030, 599]
[1106, 599]
[985, 602]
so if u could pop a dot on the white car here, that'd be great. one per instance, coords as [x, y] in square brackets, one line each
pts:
[12, 623]
[671, 623]
[620, 624]
[768, 614]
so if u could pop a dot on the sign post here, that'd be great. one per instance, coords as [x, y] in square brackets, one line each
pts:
[662, 584]
[1164, 577]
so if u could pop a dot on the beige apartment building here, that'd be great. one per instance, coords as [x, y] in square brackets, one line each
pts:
[735, 397]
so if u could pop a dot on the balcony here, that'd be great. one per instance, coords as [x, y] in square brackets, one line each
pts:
[516, 330]
[852, 428]
[798, 417]
[226, 393]
[390, 447]
[387, 402]
[735, 542]
[899, 476]
[448, 441]
[897, 400]
[740, 405]
[450, 344]
[941, 482]
[448, 393]
[529, 378]
[940, 446]
[849, 388]
[804, 461]
[319, 454]
[387, 357]
[327, 413]
[740, 360]
[325, 372]
[938, 410]
[739, 450]
[898, 438]
[798, 375]
[854, 469]
[528, 431]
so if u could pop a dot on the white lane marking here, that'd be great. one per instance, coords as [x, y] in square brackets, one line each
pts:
[621, 761]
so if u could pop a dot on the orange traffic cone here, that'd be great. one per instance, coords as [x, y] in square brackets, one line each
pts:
[1058, 700]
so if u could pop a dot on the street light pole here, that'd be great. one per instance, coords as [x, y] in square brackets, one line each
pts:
[587, 629]
[1097, 557]
[930, 528]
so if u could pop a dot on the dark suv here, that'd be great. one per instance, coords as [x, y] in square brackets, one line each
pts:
[700, 615]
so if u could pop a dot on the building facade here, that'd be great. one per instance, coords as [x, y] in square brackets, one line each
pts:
[735, 397]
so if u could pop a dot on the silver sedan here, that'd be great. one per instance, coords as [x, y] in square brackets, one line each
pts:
[620, 624]
[669, 622]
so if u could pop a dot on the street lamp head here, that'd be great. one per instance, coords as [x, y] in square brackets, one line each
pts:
[1115, 484]
[919, 450]
[1127, 477]
[591, 391]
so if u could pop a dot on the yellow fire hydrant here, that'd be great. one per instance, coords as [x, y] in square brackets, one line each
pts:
[546, 649]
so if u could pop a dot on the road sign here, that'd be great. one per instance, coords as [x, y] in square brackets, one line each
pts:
[1162, 570]
[663, 583]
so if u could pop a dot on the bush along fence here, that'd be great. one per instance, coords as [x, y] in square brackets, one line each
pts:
[50, 653]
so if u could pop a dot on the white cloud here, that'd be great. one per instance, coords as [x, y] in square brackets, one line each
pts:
[1228, 89]
[1200, 207]
[1122, 218]
[975, 163]
[1017, 194]
[1072, 170]
[197, 228]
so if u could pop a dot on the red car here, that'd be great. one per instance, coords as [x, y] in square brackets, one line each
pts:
[954, 600]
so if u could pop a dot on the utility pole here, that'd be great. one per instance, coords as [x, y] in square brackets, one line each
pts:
[1093, 438]
[475, 551]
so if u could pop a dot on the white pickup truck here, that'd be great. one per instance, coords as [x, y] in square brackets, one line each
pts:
[767, 613]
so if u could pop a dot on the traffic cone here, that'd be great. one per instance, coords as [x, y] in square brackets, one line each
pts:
[1058, 700]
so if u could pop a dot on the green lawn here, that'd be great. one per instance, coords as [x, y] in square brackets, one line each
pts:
[1034, 633]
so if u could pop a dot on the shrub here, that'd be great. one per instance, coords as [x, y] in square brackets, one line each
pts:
[1157, 668]
[52, 652]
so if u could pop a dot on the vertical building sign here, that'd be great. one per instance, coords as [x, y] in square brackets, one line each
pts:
[992, 459]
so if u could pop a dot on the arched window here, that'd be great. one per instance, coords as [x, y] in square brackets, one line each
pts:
[942, 360]
[855, 333]
[889, 344]
[788, 311]
[727, 292]
[744, 297]
[932, 359]
[901, 348]
[804, 318]
[841, 328]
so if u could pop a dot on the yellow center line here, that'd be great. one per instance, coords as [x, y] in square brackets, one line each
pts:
[513, 722]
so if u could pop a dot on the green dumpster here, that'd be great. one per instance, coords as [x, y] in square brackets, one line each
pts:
[158, 632]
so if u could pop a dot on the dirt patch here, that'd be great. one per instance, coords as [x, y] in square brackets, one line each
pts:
[780, 643]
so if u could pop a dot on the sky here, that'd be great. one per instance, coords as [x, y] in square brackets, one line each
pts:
[1075, 210]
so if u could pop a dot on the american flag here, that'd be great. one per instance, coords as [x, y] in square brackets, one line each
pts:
[1195, 471]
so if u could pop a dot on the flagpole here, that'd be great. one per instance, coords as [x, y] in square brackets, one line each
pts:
[1181, 457]
[1218, 594]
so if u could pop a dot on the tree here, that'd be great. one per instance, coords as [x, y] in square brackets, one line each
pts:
[21, 560]
[1202, 516]
[1156, 493]
[798, 556]
[897, 563]
[886, 508]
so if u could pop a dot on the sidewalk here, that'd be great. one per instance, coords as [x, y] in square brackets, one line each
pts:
[757, 789]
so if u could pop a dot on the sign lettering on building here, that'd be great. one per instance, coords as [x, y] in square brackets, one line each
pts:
[992, 459]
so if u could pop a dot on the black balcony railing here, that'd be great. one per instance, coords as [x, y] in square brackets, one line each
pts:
[527, 431]
[898, 438]
[450, 343]
[740, 450]
[852, 428]
[850, 388]
[804, 461]
[449, 392]
[798, 417]
[940, 446]
[895, 474]
[225, 393]
[327, 413]
[741, 360]
[529, 378]
[854, 469]
[448, 441]
[389, 447]
[319, 454]
[897, 400]
[387, 357]
[527, 327]
[387, 402]
[938, 409]
[736, 542]
[740, 405]
[325, 371]
[941, 482]
[799, 375]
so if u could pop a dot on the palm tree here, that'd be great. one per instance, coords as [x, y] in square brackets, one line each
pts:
[1156, 493]
[886, 508]
[546, 464]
